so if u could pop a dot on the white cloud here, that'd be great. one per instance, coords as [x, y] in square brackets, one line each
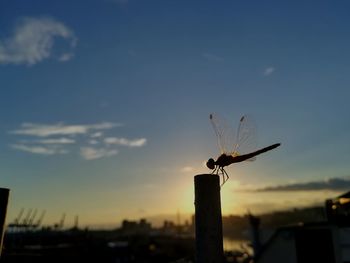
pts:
[59, 138]
[39, 149]
[45, 130]
[96, 135]
[187, 169]
[125, 142]
[33, 40]
[90, 153]
[212, 57]
[56, 141]
[268, 71]
[66, 57]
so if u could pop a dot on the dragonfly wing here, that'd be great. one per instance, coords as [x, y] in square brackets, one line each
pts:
[246, 141]
[224, 133]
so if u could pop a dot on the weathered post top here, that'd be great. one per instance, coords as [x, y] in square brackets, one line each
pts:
[208, 221]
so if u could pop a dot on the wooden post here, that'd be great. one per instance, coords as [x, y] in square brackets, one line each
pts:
[4, 195]
[208, 221]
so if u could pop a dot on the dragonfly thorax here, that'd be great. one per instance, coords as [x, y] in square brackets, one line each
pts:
[222, 161]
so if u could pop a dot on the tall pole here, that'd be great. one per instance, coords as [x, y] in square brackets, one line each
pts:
[208, 220]
[4, 195]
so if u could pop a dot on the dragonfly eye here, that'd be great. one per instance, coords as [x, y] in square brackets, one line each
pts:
[211, 164]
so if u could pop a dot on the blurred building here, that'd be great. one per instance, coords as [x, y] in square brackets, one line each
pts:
[136, 228]
[327, 241]
[338, 209]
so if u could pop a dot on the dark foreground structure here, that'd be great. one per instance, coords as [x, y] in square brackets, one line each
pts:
[323, 237]
[322, 242]
[95, 246]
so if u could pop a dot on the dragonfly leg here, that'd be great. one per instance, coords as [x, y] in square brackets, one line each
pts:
[216, 170]
[225, 176]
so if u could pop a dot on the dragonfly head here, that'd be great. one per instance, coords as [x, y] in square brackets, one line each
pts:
[211, 163]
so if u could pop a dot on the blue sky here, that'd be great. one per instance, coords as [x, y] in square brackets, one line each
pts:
[104, 104]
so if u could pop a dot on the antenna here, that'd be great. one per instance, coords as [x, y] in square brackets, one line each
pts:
[26, 219]
[30, 221]
[16, 221]
[60, 225]
[76, 222]
[38, 223]
[178, 218]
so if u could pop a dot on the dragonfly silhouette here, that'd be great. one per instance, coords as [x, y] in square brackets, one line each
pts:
[234, 148]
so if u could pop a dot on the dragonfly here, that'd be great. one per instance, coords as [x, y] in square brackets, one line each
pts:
[235, 147]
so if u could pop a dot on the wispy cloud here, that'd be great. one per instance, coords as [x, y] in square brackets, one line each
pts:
[65, 57]
[268, 71]
[56, 141]
[329, 184]
[90, 153]
[125, 142]
[96, 135]
[212, 57]
[93, 142]
[120, 1]
[59, 138]
[49, 150]
[33, 41]
[187, 169]
[45, 130]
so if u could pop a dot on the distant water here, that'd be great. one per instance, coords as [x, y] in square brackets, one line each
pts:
[236, 244]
